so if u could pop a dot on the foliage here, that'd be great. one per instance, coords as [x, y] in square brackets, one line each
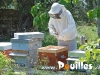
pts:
[5, 64]
[40, 13]
[5, 3]
[88, 30]
[67, 3]
[24, 6]
[41, 17]
[49, 40]
[92, 55]
[94, 13]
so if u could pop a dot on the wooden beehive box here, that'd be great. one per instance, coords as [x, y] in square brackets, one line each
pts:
[50, 55]
[6, 48]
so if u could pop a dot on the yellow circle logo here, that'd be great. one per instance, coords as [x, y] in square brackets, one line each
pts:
[66, 66]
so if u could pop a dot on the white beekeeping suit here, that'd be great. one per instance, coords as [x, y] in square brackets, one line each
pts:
[64, 29]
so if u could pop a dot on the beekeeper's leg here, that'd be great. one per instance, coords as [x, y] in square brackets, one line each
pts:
[71, 44]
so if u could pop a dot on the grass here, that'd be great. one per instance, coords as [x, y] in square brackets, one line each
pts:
[47, 72]
[90, 31]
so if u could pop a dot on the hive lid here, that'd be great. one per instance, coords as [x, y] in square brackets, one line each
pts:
[76, 53]
[52, 49]
[16, 40]
[5, 45]
[28, 35]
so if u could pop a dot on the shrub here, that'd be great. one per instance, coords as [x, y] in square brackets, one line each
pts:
[92, 55]
[49, 39]
[89, 31]
[5, 65]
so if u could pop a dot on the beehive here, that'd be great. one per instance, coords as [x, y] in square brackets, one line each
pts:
[50, 55]
[26, 44]
[6, 48]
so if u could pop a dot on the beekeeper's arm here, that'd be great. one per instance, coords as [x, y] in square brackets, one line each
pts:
[51, 27]
[71, 27]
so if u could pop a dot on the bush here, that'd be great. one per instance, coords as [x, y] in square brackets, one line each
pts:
[49, 39]
[89, 31]
[92, 55]
[5, 65]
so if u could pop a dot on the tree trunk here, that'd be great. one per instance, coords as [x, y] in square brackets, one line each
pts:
[98, 20]
[98, 25]
[26, 23]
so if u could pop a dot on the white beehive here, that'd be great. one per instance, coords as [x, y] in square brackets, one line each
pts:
[73, 56]
[27, 41]
[6, 47]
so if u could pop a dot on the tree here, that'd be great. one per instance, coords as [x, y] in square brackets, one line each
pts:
[40, 13]
[26, 19]
[95, 14]
[24, 7]
[98, 17]
[5, 3]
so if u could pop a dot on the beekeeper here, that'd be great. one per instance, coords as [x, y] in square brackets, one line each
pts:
[62, 26]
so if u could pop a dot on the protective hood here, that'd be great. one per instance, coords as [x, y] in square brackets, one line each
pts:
[55, 8]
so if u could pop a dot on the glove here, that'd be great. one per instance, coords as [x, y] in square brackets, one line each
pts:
[56, 36]
[63, 37]
[59, 37]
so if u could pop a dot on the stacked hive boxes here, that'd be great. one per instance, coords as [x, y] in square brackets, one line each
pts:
[6, 48]
[74, 56]
[24, 47]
